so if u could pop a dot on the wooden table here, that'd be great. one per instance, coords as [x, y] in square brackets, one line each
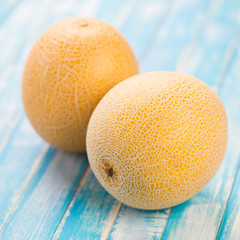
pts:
[47, 193]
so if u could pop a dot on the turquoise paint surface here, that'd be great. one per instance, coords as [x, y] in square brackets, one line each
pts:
[46, 193]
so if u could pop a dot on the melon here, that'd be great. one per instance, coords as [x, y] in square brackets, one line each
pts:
[156, 139]
[68, 70]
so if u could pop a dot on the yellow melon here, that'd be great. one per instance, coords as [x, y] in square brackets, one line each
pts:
[156, 139]
[68, 70]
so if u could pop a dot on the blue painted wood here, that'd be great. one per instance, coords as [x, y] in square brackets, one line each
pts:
[18, 160]
[17, 170]
[39, 183]
[215, 37]
[18, 163]
[159, 217]
[229, 229]
[21, 188]
[201, 216]
[139, 224]
[146, 18]
[171, 23]
[117, 10]
[17, 28]
[180, 27]
[46, 198]
[90, 214]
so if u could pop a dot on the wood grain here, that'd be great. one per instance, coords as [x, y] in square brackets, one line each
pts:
[90, 214]
[201, 216]
[46, 193]
[154, 230]
[229, 229]
[154, 220]
[45, 200]
[19, 159]
[22, 150]
[14, 213]
[139, 224]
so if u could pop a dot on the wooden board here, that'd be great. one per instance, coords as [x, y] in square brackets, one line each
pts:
[46, 193]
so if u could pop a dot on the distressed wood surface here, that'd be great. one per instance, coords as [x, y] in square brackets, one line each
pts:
[46, 193]
[20, 157]
[229, 229]
[64, 231]
[201, 216]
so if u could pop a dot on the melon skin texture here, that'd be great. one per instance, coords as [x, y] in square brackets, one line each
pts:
[156, 139]
[73, 64]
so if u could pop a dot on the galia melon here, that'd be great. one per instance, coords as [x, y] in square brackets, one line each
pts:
[69, 69]
[156, 139]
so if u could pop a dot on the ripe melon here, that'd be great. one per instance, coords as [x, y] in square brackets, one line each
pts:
[156, 139]
[68, 70]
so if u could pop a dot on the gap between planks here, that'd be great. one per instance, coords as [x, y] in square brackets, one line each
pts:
[226, 204]
[186, 54]
[111, 222]
[169, 213]
[120, 19]
[38, 161]
[34, 169]
[65, 215]
[118, 22]
[113, 214]
[226, 63]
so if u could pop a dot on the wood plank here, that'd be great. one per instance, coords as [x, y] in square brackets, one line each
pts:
[90, 213]
[139, 224]
[35, 182]
[18, 160]
[16, 169]
[46, 198]
[19, 163]
[180, 28]
[10, 76]
[72, 215]
[200, 217]
[203, 58]
[229, 229]
[17, 28]
[195, 10]
[139, 55]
